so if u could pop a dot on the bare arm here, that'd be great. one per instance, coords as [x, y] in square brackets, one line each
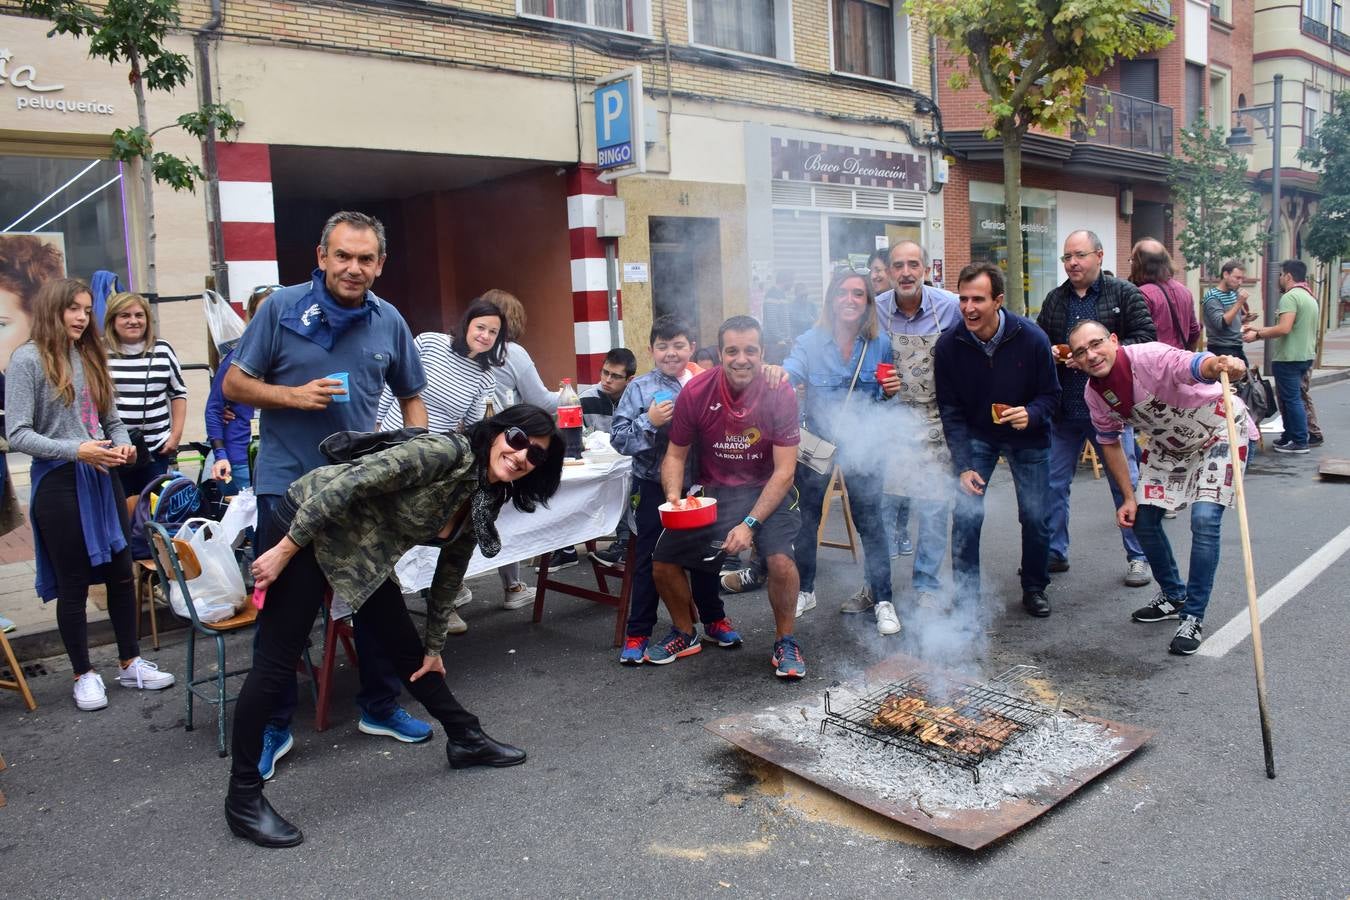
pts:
[775, 489]
[177, 417]
[1119, 470]
[1282, 326]
[672, 471]
[414, 411]
[241, 387]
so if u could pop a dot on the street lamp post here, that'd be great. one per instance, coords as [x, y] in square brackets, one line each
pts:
[1272, 291]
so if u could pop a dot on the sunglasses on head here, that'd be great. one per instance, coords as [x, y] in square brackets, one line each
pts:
[519, 440]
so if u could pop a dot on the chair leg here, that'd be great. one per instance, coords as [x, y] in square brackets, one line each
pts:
[326, 675]
[847, 509]
[625, 593]
[191, 672]
[20, 683]
[220, 695]
[154, 616]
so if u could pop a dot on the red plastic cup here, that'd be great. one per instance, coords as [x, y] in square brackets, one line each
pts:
[259, 597]
[884, 371]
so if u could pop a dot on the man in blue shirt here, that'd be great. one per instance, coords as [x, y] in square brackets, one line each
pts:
[314, 360]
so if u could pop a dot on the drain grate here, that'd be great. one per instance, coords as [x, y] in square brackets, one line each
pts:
[30, 670]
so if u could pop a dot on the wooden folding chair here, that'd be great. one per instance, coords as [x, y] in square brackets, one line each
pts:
[334, 630]
[18, 683]
[837, 487]
[1089, 455]
[143, 577]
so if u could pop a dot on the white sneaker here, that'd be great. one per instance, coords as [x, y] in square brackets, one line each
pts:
[518, 595]
[455, 625]
[464, 597]
[805, 600]
[887, 621]
[90, 694]
[144, 675]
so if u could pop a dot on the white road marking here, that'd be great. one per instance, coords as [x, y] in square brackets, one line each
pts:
[1239, 628]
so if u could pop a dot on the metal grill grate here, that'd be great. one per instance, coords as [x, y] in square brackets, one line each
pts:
[949, 721]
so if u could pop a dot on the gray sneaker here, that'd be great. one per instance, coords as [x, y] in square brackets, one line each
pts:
[1137, 573]
[931, 602]
[860, 602]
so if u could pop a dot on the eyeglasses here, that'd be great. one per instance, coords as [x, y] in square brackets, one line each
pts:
[519, 440]
[1080, 255]
[607, 375]
[1081, 353]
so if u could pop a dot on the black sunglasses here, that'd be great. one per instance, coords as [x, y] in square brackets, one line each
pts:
[519, 440]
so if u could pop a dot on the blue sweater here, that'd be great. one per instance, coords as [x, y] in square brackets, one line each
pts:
[1020, 373]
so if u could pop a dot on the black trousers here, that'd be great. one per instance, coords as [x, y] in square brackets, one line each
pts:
[292, 602]
[56, 519]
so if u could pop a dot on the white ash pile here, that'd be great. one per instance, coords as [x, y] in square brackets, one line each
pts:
[1044, 755]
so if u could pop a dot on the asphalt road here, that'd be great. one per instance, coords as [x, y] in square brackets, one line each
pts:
[625, 792]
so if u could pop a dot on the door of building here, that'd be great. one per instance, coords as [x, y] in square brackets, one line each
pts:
[686, 273]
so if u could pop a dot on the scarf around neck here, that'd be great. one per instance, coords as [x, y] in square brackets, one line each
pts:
[325, 320]
[1117, 388]
[739, 407]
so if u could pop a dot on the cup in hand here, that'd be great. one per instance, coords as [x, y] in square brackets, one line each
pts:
[345, 397]
[663, 396]
[884, 371]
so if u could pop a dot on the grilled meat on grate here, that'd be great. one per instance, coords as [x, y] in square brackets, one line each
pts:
[943, 726]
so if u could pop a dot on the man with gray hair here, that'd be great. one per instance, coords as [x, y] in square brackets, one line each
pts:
[1088, 293]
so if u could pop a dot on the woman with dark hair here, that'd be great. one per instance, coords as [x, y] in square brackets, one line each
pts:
[61, 413]
[356, 520]
[1170, 302]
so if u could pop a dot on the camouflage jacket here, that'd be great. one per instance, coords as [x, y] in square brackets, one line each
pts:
[362, 516]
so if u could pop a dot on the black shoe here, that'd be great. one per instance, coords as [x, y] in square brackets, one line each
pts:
[1058, 564]
[474, 748]
[562, 559]
[1162, 608]
[612, 557]
[1188, 637]
[249, 815]
[1036, 604]
[1316, 440]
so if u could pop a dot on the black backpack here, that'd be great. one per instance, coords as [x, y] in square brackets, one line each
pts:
[1257, 395]
[347, 446]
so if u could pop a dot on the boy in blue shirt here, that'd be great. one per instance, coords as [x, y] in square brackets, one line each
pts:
[640, 429]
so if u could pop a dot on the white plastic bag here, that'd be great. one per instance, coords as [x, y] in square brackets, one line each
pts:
[241, 513]
[222, 321]
[218, 592]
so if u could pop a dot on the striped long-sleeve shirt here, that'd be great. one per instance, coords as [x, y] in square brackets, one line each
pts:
[456, 392]
[145, 383]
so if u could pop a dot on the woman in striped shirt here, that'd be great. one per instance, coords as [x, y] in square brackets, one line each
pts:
[151, 397]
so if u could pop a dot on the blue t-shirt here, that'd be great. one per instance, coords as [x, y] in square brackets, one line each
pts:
[377, 353]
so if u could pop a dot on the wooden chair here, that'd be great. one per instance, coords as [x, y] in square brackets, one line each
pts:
[18, 683]
[837, 487]
[1089, 455]
[176, 563]
[334, 630]
[143, 576]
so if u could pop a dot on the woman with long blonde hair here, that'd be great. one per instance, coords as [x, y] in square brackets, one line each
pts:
[149, 390]
[60, 411]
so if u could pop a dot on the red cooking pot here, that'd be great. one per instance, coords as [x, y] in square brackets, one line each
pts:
[688, 515]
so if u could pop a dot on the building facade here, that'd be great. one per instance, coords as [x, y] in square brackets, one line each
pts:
[782, 137]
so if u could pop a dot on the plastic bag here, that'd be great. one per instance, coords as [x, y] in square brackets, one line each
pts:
[218, 592]
[222, 321]
[241, 514]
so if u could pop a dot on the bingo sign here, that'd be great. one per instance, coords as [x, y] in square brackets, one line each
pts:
[619, 146]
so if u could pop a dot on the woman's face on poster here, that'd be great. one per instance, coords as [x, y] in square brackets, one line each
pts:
[14, 325]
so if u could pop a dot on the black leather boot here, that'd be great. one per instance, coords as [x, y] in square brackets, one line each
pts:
[474, 748]
[250, 816]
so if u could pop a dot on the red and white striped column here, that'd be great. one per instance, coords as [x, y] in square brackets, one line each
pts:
[590, 286]
[247, 217]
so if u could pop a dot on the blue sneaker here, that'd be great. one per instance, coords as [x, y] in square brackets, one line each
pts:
[634, 649]
[672, 647]
[277, 742]
[400, 726]
[721, 633]
[787, 658]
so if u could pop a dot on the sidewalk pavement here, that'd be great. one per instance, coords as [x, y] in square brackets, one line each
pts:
[36, 635]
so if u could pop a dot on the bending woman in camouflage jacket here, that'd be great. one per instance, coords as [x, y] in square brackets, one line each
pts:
[357, 519]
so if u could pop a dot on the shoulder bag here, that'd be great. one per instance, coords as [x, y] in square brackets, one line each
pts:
[816, 453]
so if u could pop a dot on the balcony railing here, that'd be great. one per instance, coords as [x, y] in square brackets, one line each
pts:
[1316, 29]
[1340, 40]
[1125, 121]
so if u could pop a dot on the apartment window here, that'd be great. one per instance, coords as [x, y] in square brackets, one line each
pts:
[1221, 10]
[1195, 92]
[1139, 78]
[620, 15]
[1312, 115]
[864, 38]
[1220, 102]
[758, 27]
[1315, 10]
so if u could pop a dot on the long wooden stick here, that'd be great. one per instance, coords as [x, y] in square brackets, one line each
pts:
[1267, 741]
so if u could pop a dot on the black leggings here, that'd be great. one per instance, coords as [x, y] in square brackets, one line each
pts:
[56, 519]
[283, 625]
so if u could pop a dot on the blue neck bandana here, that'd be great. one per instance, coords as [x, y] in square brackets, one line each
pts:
[324, 320]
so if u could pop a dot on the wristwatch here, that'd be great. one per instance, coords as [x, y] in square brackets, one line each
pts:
[750, 522]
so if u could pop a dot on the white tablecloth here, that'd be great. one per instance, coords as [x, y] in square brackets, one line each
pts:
[588, 505]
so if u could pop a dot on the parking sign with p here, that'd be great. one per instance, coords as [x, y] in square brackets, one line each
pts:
[618, 122]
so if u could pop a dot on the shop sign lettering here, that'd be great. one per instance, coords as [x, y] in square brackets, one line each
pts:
[1027, 227]
[798, 160]
[25, 77]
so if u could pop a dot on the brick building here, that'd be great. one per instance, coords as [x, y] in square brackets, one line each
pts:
[776, 148]
[1112, 181]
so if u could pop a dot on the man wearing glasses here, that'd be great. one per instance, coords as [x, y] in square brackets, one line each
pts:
[1088, 293]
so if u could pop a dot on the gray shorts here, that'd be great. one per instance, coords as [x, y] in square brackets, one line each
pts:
[693, 548]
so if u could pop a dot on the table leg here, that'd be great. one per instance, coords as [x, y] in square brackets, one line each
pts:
[541, 585]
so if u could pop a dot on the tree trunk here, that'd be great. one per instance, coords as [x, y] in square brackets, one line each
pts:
[151, 287]
[1014, 295]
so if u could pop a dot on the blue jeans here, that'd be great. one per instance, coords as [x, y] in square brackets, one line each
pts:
[930, 543]
[1031, 478]
[1289, 393]
[1205, 520]
[865, 500]
[1066, 442]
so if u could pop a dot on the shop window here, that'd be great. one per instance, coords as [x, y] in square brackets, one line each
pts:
[757, 27]
[618, 15]
[988, 240]
[871, 38]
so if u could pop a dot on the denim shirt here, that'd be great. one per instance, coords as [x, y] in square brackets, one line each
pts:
[815, 363]
[632, 433]
[936, 301]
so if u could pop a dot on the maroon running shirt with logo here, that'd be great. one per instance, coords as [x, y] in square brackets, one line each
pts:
[734, 436]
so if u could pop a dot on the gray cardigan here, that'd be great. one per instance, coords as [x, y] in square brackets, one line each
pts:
[519, 376]
[39, 423]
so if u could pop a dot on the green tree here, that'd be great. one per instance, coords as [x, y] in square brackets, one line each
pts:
[1223, 211]
[132, 32]
[1033, 58]
[1329, 230]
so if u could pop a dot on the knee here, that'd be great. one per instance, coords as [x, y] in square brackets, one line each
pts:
[781, 565]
